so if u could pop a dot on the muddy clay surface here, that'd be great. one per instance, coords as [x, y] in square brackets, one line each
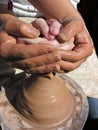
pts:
[48, 100]
[50, 107]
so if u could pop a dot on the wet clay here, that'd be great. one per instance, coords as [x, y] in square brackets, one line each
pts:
[46, 100]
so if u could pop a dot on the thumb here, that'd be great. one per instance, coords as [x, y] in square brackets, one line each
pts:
[70, 29]
[19, 28]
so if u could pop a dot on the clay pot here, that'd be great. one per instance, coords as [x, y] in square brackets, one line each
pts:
[50, 103]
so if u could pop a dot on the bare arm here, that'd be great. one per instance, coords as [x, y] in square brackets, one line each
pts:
[58, 9]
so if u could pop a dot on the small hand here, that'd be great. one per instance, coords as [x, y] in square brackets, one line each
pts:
[48, 28]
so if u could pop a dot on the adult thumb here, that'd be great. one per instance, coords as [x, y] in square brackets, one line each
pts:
[19, 28]
[70, 29]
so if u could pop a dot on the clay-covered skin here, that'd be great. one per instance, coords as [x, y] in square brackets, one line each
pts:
[66, 45]
[48, 100]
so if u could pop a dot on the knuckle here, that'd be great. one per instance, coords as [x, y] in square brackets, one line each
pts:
[56, 56]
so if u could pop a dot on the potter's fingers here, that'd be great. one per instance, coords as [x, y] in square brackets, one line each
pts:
[22, 51]
[53, 42]
[19, 28]
[84, 44]
[44, 69]
[31, 40]
[54, 26]
[37, 61]
[70, 29]
[69, 66]
[69, 45]
[80, 52]
[41, 25]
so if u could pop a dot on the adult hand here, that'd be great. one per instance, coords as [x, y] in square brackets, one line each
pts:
[19, 28]
[71, 28]
[82, 40]
[58, 47]
[31, 57]
[28, 57]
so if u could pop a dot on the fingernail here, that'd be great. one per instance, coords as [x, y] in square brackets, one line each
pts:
[61, 38]
[31, 30]
[35, 32]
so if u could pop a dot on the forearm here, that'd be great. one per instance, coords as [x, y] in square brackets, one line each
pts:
[60, 9]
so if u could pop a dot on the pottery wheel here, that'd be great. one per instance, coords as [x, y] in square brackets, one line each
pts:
[14, 120]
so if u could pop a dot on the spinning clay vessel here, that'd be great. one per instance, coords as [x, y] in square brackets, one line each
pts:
[56, 103]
